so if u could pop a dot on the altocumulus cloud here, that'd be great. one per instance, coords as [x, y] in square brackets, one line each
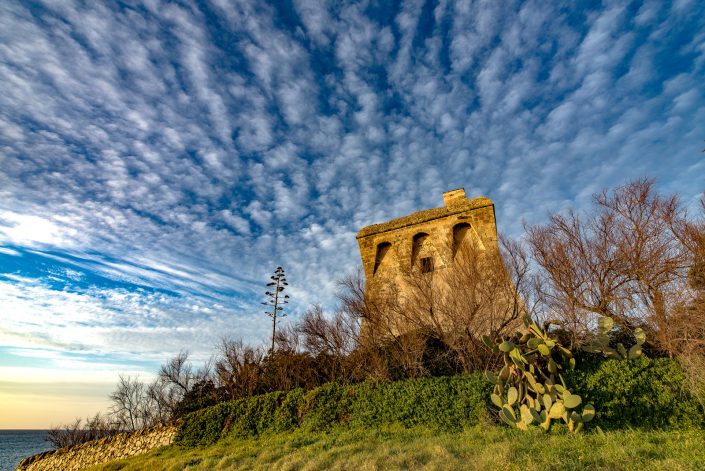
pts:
[158, 159]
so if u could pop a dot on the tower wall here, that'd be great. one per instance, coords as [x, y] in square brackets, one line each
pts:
[396, 247]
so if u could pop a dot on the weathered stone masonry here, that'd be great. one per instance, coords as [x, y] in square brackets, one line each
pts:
[426, 240]
[100, 451]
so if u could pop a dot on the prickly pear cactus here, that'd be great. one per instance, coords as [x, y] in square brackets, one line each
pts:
[601, 343]
[526, 390]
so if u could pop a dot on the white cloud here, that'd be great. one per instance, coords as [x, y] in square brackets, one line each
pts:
[31, 231]
[9, 251]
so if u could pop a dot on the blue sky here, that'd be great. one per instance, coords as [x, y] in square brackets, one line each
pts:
[159, 159]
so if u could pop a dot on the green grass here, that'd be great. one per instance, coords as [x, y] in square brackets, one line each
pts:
[481, 447]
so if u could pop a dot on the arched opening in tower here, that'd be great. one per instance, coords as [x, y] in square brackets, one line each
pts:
[422, 253]
[461, 236]
[382, 250]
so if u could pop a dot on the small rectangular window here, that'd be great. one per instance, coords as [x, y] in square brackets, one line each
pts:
[426, 264]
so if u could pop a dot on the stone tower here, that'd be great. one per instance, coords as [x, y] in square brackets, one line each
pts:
[427, 240]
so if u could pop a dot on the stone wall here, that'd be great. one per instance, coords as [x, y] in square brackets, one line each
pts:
[101, 451]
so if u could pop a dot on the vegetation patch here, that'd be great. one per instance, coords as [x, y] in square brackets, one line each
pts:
[643, 393]
[447, 403]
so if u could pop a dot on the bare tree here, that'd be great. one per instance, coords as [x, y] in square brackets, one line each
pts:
[335, 337]
[688, 321]
[490, 291]
[176, 379]
[623, 261]
[238, 368]
[653, 256]
[479, 292]
[583, 273]
[78, 432]
[179, 371]
[386, 333]
[351, 294]
[163, 399]
[367, 313]
[129, 403]
[135, 405]
[288, 339]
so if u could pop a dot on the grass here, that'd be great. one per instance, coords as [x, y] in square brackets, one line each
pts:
[483, 447]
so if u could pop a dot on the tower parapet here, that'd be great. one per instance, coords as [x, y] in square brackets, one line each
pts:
[427, 240]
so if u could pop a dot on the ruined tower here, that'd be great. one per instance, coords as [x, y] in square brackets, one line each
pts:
[427, 240]
[439, 270]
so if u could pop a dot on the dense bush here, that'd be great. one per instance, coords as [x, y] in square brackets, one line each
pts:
[448, 403]
[205, 426]
[203, 394]
[644, 393]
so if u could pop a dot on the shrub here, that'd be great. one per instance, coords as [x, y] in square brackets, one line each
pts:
[203, 394]
[205, 426]
[448, 403]
[256, 415]
[287, 416]
[644, 393]
[78, 432]
[323, 407]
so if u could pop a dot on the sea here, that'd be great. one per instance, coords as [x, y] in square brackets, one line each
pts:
[18, 444]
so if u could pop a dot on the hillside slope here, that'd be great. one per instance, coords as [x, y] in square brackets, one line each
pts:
[485, 447]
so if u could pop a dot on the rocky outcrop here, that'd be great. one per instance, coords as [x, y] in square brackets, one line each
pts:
[100, 451]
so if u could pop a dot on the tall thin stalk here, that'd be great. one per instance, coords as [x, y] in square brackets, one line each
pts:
[278, 284]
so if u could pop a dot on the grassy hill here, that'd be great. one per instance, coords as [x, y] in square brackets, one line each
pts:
[482, 447]
[646, 419]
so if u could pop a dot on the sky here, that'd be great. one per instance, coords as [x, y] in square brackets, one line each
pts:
[159, 159]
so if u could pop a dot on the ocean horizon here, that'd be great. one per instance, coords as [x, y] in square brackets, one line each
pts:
[18, 444]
